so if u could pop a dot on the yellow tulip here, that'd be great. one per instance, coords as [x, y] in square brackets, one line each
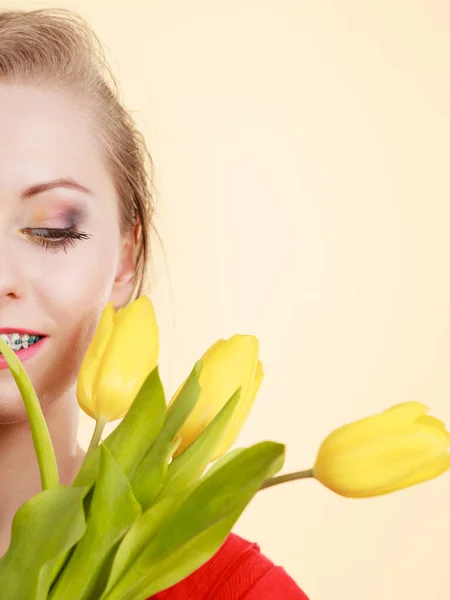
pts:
[227, 365]
[123, 352]
[395, 449]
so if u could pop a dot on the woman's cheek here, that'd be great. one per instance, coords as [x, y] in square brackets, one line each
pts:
[90, 263]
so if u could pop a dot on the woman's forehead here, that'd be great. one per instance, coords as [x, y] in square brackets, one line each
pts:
[37, 118]
[46, 137]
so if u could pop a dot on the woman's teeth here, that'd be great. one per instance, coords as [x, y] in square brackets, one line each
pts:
[17, 341]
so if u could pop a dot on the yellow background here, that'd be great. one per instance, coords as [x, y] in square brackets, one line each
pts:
[302, 166]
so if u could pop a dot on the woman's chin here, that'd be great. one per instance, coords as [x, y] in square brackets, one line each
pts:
[12, 410]
[12, 407]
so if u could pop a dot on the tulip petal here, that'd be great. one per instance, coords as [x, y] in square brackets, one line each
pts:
[437, 425]
[407, 411]
[227, 365]
[186, 468]
[131, 354]
[381, 463]
[421, 474]
[91, 361]
[429, 471]
[240, 415]
[390, 420]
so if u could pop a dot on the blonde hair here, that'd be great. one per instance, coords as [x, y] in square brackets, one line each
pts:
[58, 47]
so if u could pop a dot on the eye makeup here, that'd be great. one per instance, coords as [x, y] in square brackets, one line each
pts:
[57, 213]
[64, 230]
[55, 238]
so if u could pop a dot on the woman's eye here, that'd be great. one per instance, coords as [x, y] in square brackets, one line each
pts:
[55, 239]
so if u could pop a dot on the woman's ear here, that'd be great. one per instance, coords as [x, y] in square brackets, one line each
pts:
[124, 280]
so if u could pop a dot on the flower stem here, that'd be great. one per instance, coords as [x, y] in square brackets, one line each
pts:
[288, 477]
[96, 436]
[40, 434]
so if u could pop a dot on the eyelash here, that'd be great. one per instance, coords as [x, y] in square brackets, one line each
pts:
[56, 239]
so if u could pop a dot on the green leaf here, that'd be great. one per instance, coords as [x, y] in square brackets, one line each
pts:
[218, 498]
[141, 533]
[186, 559]
[130, 441]
[149, 477]
[64, 558]
[135, 434]
[39, 430]
[223, 460]
[89, 471]
[188, 467]
[113, 510]
[44, 528]
[60, 562]
[148, 524]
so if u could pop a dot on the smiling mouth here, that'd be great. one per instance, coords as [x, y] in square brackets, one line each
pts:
[21, 341]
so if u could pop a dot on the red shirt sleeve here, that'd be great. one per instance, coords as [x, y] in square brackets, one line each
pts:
[238, 571]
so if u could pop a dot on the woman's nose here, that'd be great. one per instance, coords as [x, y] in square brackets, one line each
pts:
[9, 276]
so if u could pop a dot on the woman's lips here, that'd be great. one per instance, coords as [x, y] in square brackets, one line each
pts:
[25, 353]
[20, 330]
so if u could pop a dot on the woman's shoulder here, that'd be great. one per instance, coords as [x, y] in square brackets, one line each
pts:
[238, 571]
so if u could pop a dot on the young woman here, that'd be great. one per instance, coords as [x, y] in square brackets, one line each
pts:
[75, 220]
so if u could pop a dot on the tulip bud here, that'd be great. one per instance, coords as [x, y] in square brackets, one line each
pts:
[395, 449]
[123, 352]
[227, 365]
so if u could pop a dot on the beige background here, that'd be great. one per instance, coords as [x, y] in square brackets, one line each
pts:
[302, 153]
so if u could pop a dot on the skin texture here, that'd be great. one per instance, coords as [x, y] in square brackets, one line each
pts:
[47, 136]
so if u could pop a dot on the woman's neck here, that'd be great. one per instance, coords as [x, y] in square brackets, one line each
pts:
[19, 471]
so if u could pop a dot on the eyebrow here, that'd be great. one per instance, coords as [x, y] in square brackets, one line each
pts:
[45, 186]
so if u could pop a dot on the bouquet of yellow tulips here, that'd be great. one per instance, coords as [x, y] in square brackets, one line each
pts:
[147, 508]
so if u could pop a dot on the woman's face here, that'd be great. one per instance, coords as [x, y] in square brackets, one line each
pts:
[52, 176]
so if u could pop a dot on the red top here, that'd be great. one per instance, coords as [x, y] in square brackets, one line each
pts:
[238, 571]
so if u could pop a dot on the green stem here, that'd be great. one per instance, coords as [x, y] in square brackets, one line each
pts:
[288, 477]
[89, 465]
[39, 431]
[96, 436]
